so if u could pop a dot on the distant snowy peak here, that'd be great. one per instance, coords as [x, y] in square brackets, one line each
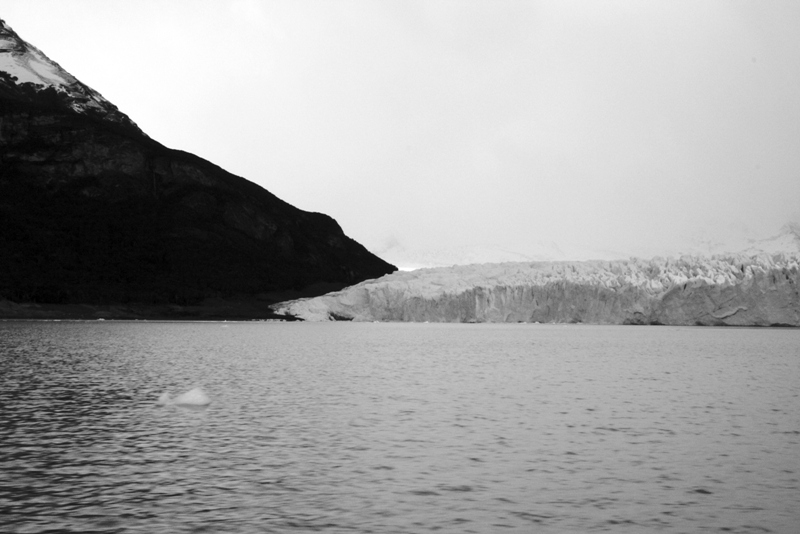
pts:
[787, 241]
[418, 258]
[739, 240]
[412, 258]
[27, 75]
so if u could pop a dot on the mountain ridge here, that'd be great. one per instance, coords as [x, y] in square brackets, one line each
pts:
[92, 210]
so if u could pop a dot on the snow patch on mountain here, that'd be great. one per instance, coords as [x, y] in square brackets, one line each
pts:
[23, 66]
[27, 63]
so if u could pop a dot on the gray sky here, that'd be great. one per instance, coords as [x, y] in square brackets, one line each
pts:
[611, 125]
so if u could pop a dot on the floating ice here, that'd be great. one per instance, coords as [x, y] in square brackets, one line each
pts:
[193, 397]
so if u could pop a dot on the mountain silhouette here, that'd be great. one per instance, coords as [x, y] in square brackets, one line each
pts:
[93, 211]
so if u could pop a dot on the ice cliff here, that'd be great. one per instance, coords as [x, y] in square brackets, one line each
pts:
[721, 290]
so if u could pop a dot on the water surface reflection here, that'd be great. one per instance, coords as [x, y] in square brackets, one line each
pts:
[398, 428]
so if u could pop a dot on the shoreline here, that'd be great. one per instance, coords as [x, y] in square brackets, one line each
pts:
[215, 310]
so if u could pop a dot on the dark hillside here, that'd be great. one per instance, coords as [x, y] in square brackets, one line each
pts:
[94, 211]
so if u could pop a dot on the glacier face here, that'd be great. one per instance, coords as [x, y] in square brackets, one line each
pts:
[736, 290]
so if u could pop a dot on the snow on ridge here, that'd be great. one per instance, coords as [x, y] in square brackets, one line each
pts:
[28, 64]
[48, 73]
[29, 68]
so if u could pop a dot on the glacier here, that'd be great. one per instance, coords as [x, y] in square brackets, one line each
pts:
[732, 290]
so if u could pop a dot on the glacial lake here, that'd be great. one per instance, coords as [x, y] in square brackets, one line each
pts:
[398, 428]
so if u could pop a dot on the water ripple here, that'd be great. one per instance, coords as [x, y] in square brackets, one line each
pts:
[398, 428]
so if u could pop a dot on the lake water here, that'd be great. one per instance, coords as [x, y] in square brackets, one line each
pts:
[398, 428]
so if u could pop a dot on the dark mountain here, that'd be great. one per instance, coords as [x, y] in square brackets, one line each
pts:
[94, 211]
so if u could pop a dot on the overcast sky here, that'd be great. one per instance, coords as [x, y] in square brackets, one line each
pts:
[610, 125]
